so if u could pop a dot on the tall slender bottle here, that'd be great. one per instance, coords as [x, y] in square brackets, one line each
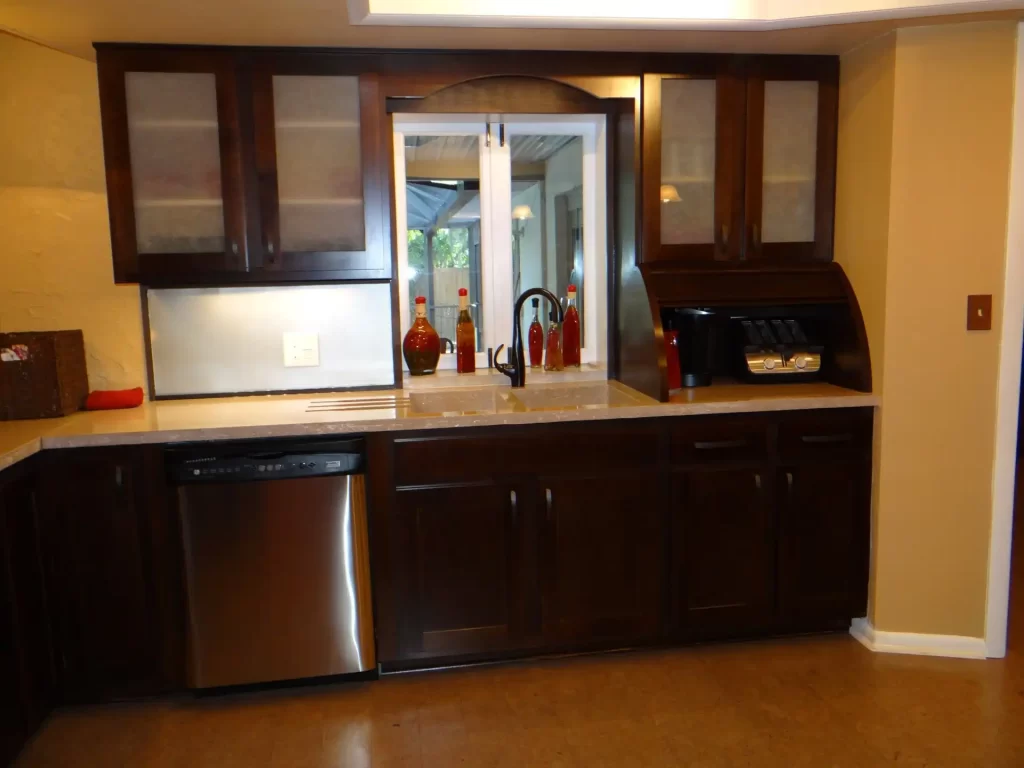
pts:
[536, 337]
[553, 356]
[571, 332]
[465, 336]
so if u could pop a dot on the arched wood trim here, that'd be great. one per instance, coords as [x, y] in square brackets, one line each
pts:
[494, 93]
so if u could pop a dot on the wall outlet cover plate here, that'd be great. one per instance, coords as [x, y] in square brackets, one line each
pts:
[301, 349]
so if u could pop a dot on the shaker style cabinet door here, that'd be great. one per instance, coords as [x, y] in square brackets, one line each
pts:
[457, 572]
[824, 520]
[723, 545]
[173, 151]
[693, 129]
[101, 565]
[321, 173]
[601, 558]
[791, 161]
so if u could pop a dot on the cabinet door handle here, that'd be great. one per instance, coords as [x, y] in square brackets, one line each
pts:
[515, 507]
[843, 437]
[270, 248]
[547, 502]
[789, 483]
[757, 480]
[757, 237]
[234, 247]
[118, 477]
[723, 238]
[711, 445]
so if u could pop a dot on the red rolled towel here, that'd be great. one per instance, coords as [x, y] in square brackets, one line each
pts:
[111, 399]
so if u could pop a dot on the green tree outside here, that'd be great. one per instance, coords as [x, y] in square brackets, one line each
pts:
[451, 248]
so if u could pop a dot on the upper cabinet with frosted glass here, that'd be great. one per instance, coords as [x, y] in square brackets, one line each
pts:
[228, 167]
[739, 162]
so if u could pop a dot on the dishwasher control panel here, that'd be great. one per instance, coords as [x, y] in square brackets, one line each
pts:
[264, 467]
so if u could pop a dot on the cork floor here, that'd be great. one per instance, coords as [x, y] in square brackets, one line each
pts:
[815, 702]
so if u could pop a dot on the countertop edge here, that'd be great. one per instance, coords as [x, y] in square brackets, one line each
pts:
[305, 429]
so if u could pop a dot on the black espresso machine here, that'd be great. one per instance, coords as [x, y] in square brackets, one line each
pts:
[751, 344]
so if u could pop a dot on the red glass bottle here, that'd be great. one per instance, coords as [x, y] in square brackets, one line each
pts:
[571, 332]
[553, 357]
[465, 336]
[536, 338]
[422, 346]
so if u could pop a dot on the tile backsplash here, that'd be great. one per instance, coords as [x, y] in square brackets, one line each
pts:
[228, 340]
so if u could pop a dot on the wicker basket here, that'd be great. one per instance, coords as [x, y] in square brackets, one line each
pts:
[42, 374]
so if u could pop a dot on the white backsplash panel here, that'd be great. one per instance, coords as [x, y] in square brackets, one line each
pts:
[225, 340]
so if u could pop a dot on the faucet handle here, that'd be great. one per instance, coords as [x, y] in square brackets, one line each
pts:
[509, 369]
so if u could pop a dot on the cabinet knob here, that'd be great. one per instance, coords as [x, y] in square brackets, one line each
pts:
[270, 248]
[234, 247]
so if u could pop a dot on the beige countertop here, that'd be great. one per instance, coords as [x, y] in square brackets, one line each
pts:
[231, 418]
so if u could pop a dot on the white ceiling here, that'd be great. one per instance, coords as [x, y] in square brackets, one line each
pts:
[73, 25]
[655, 14]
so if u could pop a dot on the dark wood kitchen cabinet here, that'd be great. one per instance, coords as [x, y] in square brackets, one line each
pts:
[227, 166]
[461, 580]
[27, 677]
[824, 492]
[723, 549]
[739, 162]
[601, 557]
[113, 573]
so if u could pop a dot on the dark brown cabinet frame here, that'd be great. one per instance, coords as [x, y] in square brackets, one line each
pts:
[739, 163]
[791, 574]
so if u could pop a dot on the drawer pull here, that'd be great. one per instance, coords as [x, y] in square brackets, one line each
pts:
[713, 445]
[844, 437]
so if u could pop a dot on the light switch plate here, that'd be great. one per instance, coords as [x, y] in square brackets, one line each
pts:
[979, 312]
[301, 349]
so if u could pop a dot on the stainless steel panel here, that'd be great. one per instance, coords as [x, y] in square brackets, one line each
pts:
[278, 580]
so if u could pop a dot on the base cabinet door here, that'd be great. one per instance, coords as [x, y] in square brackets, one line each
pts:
[459, 574]
[101, 562]
[601, 558]
[723, 549]
[26, 660]
[824, 518]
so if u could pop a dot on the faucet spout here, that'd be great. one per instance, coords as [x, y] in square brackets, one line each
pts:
[515, 368]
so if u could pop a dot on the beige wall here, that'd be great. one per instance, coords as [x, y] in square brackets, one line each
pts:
[55, 269]
[947, 148]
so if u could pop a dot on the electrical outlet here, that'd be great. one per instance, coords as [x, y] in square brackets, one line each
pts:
[301, 349]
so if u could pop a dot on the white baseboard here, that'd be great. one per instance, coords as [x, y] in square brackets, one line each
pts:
[953, 646]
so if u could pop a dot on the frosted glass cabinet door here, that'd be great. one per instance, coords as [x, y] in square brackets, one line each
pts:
[319, 164]
[789, 174]
[693, 167]
[174, 143]
[687, 189]
[791, 158]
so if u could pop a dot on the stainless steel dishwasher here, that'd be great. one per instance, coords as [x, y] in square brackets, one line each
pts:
[276, 560]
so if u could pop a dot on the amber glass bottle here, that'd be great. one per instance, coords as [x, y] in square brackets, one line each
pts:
[571, 332]
[465, 336]
[536, 337]
[422, 345]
